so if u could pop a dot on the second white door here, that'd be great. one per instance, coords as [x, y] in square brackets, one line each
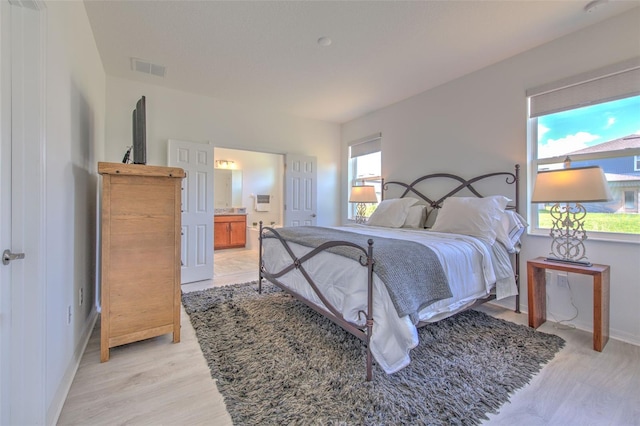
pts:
[300, 189]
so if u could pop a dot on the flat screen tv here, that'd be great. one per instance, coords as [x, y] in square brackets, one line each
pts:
[140, 133]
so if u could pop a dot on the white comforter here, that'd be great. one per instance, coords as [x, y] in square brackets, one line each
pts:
[472, 269]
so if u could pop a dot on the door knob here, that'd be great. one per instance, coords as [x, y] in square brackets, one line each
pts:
[7, 256]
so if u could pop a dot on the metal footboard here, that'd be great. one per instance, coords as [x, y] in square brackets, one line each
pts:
[298, 263]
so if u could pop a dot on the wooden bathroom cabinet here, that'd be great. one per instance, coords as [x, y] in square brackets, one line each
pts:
[229, 231]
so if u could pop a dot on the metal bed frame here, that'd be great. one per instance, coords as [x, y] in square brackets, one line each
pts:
[366, 257]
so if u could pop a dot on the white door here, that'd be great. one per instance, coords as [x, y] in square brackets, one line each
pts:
[22, 307]
[197, 207]
[300, 188]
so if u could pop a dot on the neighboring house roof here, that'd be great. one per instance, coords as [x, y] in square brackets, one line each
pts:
[614, 177]
[630, 141]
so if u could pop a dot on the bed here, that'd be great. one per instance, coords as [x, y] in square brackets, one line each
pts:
[417, 260]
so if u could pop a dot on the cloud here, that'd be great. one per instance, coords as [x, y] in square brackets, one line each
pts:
[610, 122]
[562, 146]
[542, 130]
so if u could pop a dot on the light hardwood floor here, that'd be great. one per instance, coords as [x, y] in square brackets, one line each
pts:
[156, 382]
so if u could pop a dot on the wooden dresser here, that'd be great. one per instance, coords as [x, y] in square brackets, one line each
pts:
[140, 255]
[229, 231]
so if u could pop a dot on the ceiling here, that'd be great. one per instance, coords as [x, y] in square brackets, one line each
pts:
[266, 53]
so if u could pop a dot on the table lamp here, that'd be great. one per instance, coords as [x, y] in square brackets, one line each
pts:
[361, 195]
[567, 188]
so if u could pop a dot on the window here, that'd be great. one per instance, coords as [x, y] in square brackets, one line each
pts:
[630, 203]
[365, 168]
[595, 121]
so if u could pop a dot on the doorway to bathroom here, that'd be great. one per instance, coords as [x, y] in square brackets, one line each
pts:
[247, 185]
[249, 188]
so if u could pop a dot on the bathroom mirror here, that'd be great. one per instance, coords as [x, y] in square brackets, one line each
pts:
[227, 188]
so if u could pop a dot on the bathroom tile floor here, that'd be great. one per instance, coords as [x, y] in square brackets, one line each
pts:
[230, 266]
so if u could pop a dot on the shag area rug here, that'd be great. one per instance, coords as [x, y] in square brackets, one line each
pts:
[278, 362]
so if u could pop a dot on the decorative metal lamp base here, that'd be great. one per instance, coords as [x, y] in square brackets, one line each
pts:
[361, 211]
[568, 234]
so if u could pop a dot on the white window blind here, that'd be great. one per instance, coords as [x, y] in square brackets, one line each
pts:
[604, 85]
[366, 146]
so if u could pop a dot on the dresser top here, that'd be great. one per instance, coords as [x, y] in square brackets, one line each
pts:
[139, 170]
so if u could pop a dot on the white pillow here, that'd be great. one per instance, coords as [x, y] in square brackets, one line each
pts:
[415, 217]
[391, 213]
[473, 216]
[509, 230]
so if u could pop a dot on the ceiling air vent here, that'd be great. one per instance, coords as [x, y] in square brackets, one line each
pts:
[147, 67]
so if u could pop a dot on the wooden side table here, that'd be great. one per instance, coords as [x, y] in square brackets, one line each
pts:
[536, 279]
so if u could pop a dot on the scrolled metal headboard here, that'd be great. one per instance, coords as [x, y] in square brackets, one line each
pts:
[510, 179]
[410, 188]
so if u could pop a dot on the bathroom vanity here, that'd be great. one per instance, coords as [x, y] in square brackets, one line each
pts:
[229, 231]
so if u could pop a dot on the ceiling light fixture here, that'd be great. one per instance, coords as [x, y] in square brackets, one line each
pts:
[225, 164]
[324, 41]
[591, 6]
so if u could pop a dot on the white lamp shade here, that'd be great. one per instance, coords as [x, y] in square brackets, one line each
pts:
[363, 194]
[573, 185]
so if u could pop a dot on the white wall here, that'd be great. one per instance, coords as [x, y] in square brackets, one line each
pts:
[173, 114]
[75, 111]
[478, 124]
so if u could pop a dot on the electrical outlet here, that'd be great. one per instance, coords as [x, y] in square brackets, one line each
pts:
[563, 280]
[80, 297]
[68, 314]
[548, 276]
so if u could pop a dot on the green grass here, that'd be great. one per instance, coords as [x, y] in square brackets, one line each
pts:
[623, 223]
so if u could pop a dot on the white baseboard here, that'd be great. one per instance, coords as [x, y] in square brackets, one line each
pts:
[613, 333]
[53, 413]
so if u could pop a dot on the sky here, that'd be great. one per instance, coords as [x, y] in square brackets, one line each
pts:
[568, 131]
[369, 165]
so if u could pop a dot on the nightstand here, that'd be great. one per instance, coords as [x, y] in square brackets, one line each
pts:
[537, 295]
